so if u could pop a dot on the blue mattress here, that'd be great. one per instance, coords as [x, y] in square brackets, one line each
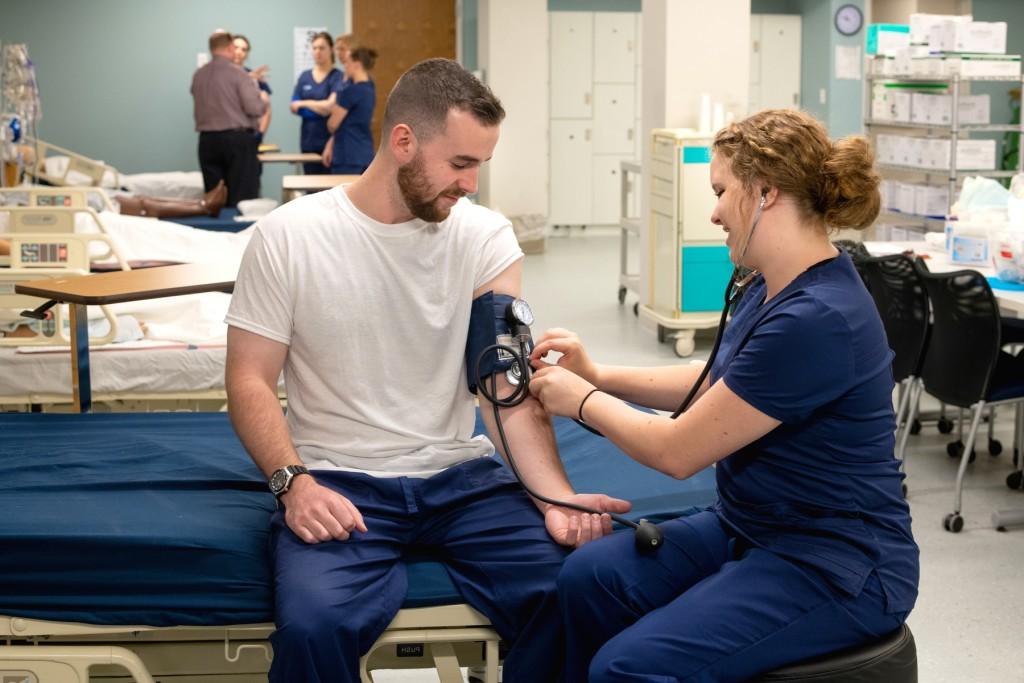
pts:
[162, 519]
[222, 222]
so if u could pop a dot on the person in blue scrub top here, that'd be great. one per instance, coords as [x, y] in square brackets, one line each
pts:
[809, 548]
[352, 148]
[313, 99]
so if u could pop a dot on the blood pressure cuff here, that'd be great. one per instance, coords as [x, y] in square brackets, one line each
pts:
[487, 323]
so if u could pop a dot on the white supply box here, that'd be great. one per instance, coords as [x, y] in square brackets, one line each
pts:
[921, 25]
[890, 104]
[931, 200]
[938, 109]
[988, 37]
[967, 66]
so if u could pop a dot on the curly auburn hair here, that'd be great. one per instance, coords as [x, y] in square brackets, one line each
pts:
[834, 182]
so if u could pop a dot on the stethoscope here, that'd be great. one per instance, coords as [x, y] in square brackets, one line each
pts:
[647, 535]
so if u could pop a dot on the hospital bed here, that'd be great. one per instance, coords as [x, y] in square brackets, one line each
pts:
[59, 166]
[136, 544]
[184, 369]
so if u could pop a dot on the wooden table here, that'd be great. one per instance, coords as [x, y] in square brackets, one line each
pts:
[297, 158]
[114, 288]
[293, 186]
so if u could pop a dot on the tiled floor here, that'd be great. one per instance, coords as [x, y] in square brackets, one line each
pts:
[969, 620]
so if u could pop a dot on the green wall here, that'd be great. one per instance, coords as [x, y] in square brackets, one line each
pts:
[114, 75]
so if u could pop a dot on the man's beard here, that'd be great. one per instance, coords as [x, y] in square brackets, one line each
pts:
[415, 188]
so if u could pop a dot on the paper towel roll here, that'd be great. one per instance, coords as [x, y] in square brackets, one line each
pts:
[705, 113]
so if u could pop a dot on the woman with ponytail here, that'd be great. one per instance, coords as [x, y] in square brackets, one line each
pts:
[808, 549]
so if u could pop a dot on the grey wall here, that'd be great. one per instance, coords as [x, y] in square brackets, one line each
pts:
[594, 5]
[114, 74]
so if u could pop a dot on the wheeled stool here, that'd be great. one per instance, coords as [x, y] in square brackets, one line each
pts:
[893, 659]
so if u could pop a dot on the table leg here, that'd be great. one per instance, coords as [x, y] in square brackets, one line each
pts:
[81, 382]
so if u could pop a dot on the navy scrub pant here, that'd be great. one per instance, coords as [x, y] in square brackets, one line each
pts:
[693, 611]
[334, 599]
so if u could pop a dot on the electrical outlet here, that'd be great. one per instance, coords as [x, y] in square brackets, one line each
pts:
[823, 96]
[201, 59]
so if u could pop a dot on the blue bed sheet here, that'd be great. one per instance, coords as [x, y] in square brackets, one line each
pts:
[162, 519]
[222, 222]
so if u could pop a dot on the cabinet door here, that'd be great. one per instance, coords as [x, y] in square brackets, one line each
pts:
[572, 66]
[615, 47]
[780, 61]
[614, 118]
[607, 189]
[572, 150]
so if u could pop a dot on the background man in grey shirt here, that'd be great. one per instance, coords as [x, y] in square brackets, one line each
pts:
[228, 105]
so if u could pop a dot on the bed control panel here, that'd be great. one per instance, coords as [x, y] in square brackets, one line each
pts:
[51, 200]
[43, 254]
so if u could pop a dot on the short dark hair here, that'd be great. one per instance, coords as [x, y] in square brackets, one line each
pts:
[366, 56]
[239, 36]
[426, 93]
[220, 39]
[324, 35]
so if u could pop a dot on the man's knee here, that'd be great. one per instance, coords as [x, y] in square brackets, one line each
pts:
[587, 569]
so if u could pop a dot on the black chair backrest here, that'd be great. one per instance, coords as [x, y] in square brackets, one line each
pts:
[964, 344]
[902, 303]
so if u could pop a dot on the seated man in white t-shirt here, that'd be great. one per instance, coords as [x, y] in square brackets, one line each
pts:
[362, 295]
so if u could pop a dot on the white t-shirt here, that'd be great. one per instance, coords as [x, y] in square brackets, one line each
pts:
[376, 318]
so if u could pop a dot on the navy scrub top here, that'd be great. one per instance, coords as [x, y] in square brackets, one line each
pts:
[823, 488]
[314, 134]
[353, 141]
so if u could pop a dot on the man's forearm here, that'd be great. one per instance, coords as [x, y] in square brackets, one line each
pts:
[259, 422]
[532, 440]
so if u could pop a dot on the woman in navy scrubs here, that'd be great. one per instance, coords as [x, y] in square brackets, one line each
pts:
[313, 98]
[809, 548]
[352, 147]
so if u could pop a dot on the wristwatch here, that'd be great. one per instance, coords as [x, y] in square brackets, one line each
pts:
[281, 480]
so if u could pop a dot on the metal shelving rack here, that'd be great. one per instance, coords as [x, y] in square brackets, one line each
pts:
[953, 131]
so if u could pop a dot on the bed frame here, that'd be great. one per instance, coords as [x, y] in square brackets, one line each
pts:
[444, 638]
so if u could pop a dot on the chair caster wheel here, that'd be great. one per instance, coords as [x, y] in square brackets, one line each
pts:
[995, 447]
[915, 427]
[903, 489]
[622, 295]
[1015, 480]
[636, 310]
[955, 449]
[945, 426]
[953, 523]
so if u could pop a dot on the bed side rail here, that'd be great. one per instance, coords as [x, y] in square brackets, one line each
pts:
[91, 168]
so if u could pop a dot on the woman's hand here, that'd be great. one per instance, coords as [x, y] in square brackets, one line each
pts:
[559, 390]
[296, 105]
[327, 156]
[574, 357]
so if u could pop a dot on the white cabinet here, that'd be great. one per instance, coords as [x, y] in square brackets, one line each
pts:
[595, 113]
[572, 50]
[571, 142]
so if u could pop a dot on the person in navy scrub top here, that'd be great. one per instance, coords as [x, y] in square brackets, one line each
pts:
[314, 97]
[352, 148]
[809, 548]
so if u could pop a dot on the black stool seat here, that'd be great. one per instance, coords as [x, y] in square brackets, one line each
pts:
[893, 659]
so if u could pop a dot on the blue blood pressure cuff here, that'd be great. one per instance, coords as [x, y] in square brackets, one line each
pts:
[487, 326]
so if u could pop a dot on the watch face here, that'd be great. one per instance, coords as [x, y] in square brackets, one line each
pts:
[849, 19]
[278, 480]
[522, 311]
